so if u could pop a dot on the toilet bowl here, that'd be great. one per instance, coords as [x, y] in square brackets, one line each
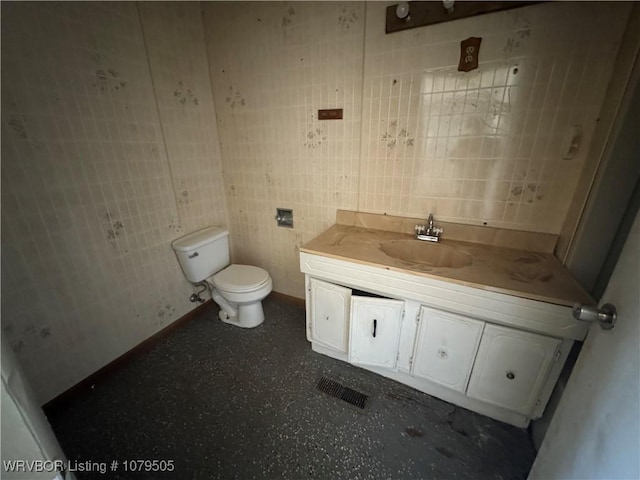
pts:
[238, 289]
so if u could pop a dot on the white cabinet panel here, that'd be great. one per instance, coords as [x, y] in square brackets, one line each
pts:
[329, 314]
[495, 370]
[375, 331]
[511, 367]
[446, 346]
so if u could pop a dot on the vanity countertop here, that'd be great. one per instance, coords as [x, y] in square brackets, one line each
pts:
[523, 273]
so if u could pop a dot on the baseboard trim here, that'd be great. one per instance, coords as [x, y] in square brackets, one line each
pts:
[288, 298]
[61, 401]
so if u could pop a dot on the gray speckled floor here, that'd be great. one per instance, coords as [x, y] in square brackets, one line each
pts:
[224, 402]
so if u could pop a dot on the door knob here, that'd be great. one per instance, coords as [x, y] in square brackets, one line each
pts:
[605, 315]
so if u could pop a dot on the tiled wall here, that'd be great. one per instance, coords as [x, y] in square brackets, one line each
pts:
[273, 65]
[109, 151]
[174, 36]
[487, 145]
[483, 147]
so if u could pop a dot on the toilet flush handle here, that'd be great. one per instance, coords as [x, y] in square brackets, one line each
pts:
[193, 255]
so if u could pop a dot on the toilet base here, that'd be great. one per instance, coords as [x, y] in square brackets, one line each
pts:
[249, 315]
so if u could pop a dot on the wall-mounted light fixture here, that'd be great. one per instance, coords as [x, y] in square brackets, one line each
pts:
[405, 15]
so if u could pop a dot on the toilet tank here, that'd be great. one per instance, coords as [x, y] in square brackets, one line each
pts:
[202, 253]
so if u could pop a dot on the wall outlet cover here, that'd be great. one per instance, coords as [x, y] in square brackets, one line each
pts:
[469, 52]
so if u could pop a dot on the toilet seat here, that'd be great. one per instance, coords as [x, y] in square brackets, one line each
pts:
[240, 278]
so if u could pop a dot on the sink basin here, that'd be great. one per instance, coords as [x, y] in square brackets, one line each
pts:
[431, 254]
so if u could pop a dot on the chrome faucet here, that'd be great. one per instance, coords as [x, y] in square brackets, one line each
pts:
[428, 232]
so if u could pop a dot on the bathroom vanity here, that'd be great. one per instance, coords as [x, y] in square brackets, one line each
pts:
[481, 319]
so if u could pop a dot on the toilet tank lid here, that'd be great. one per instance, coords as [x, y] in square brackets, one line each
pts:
[199, 238]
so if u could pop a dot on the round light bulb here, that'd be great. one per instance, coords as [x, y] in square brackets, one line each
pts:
[448, 4]
[402, 10]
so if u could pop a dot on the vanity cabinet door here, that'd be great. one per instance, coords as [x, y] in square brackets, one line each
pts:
[511, 367]
[329, 314]
[375, 331]
[446, 346]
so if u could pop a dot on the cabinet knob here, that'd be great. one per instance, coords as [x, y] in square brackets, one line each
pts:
[442, 353]
[511, 375]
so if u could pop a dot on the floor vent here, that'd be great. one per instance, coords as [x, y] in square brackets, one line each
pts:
[337, 390]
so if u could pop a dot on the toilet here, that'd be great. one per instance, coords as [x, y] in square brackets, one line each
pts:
[238, 289]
